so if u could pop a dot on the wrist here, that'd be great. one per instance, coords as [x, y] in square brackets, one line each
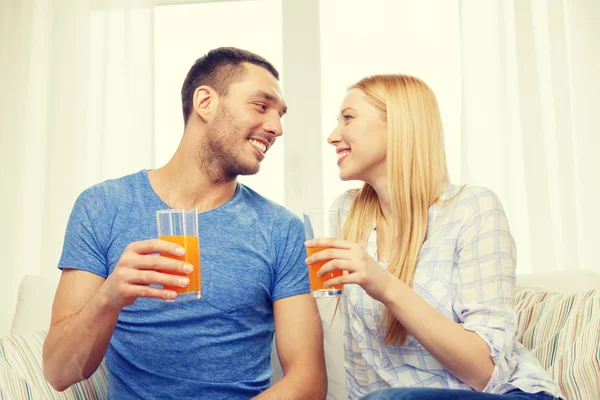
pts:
[394, 292]
[106, 303]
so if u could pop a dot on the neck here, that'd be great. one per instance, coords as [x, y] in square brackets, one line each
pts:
[182, 183]
[383, 194]
[386, 231]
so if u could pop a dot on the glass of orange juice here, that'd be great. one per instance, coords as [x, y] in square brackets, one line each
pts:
[318, 224]
[181, 227]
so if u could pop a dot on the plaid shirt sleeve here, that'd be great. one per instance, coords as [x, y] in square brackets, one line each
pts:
[486, 259]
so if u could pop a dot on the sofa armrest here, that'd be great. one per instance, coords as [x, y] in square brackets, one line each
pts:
[21, 372]
[13, 386]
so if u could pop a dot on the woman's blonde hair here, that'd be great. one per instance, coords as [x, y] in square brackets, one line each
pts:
[416, 171]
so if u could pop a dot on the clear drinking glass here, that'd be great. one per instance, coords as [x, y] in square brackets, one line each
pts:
[181, 227]
[322, 223]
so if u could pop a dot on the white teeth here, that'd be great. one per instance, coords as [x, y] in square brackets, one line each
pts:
[260, 146]
[343, 154]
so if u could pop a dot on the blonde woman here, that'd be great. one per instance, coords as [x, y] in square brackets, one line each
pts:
[430, 266]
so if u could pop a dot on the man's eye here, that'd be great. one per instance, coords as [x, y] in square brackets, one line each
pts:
[263, 107]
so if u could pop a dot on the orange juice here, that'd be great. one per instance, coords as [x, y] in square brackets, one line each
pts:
[316, 282]
[191, 256]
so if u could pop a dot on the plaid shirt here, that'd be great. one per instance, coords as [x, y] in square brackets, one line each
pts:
[466, 271]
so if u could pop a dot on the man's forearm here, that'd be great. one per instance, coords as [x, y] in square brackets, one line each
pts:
[75, 346]
[297, 387]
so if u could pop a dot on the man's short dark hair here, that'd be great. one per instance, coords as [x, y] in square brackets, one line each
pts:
[218, 69]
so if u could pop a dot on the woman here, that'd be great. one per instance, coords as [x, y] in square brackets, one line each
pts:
[429, 265]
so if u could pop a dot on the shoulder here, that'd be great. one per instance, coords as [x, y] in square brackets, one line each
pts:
[121, 188]
[470, 197]
[345, 200]
[108, 195]
[474, 206]
[479, 199]
[267, 211]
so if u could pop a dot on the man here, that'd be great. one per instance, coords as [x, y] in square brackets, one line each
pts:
[254, 276]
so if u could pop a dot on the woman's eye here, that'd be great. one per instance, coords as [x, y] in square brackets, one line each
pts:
[347, 117]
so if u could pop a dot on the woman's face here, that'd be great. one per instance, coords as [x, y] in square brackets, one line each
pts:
[360, 139]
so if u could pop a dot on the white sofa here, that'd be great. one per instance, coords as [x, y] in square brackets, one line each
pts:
[32, 317]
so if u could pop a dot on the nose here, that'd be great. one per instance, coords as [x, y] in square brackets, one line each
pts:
[273, 126]
[334, 138]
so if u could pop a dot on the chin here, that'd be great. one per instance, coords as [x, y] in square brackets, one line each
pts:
[250, 170]
[347, 176]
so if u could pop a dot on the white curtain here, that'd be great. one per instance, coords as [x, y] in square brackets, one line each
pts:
[77, 102]
[517, 83]
[519, 91]
[530, 103]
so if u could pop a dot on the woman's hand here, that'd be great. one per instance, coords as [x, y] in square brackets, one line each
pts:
[351, 257]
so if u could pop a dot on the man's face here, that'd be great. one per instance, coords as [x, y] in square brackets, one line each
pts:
[246, 124]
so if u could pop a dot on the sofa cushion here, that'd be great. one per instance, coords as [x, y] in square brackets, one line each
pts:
[562, 331]
[13, 386]
[21, 372]
[34, 304]
[571, 281]
[545, 325]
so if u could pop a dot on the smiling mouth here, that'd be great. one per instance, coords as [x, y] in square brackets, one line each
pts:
[342, 154]
[260, 146]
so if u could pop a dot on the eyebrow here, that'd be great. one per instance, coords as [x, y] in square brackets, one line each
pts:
[270, 98]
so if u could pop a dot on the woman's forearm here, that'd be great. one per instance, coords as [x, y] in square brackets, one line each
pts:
[462, 352]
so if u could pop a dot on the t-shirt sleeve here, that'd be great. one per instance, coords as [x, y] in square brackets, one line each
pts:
[291, 273]
[84, 245]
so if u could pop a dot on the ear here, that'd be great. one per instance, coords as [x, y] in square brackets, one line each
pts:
[206, 102]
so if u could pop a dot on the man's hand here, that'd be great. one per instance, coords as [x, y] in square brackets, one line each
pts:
[87, 306]
[138, 268]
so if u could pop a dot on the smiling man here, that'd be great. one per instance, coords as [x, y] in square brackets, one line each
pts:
[110, 302]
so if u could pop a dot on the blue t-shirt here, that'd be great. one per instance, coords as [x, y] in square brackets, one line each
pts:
[218, 347]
